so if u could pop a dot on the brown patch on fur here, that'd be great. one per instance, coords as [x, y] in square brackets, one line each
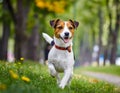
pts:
[59, 28]
[71, 28]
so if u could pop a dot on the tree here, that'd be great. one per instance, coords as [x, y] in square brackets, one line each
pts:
[91, 27]
[33, 50]
[19, 17]
[113, 27]
[6, 32]
[100, 15]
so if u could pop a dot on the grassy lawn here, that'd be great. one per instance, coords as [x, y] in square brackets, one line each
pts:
[30, 77]
[115, 70]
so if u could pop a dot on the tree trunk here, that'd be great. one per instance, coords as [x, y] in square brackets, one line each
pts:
[6, 33]
[115, 34]
[105, 54]
[20, 27]
[33, 48]
[100, 33]
[113, 49]
[19, 33]
[4, 41]
[19, 18]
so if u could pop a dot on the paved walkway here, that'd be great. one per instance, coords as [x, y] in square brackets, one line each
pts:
[105, 77]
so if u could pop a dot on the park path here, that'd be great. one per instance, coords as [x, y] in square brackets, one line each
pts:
[105, 77]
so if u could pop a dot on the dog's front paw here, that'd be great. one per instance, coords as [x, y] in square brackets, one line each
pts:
[62, 86]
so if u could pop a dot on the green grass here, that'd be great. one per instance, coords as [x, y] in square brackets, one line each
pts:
[115, 70]
[42, 82]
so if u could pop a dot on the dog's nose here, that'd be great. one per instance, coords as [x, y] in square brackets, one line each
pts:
[66, 33]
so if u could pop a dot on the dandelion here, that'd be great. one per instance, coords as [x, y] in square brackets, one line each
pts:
[93, 81]
[19, 63]
[26, 79]
[22, 59]
[3, 86]
[13, 74]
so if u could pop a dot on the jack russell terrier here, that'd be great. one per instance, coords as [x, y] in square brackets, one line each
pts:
[60, 57]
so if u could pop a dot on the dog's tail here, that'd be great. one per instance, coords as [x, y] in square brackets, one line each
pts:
[47, 38]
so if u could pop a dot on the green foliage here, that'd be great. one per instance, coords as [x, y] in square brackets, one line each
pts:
[53, 6]
[42, 82]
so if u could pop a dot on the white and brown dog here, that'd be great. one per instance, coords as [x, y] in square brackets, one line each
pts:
[61, 58]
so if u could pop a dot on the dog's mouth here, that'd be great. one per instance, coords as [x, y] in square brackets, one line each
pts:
[66, 39]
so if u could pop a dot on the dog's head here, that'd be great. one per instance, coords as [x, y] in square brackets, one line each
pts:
[64, 30]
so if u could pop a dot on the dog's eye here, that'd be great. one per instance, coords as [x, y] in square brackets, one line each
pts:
[70, 28]
[60, 27]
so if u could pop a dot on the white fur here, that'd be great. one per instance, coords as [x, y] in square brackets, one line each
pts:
[60, 60]
[65, 30]
[47, 38]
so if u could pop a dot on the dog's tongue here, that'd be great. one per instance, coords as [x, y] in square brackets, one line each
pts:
[66, 39]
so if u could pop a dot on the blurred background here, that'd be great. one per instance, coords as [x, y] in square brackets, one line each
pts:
[96, 40]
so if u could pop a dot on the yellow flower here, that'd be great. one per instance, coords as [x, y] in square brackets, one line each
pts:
[21, 58]
[13, 74]
[40, 4]
[26, 79]
[19, 63]
[52, 6]
[49, 6]
[93, 81]
[59, 6]
[3, 86]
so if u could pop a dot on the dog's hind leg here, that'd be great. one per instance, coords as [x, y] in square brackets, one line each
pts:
[53, 72]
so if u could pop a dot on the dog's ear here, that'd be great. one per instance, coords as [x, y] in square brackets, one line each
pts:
[74, 23]
[54, 22]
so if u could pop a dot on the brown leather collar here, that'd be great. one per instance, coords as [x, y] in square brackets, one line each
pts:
[64, 48]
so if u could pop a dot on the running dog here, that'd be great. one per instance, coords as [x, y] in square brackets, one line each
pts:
[61, 57]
